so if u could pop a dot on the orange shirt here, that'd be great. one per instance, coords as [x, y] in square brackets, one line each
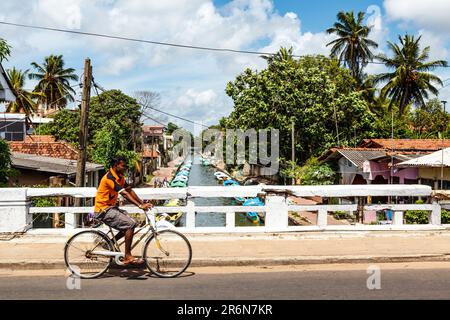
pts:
[108, 190]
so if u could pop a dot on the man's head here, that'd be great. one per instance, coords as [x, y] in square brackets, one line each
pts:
[119, 164]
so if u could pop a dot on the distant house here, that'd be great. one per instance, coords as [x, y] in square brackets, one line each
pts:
[374, 161]
[38, 170]
[7, 93]
[432, 169]
[38, 158]
[155, 149]
[13, 126]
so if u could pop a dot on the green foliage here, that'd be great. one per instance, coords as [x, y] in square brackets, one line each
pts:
[65, 126]
[417, 216]
[410, 81]
[171, 127]
[108, 145]
[353, 45]
[5, 50]
[54, 82]
[114, 127]
[6, 171]
[311, 92]
[311, 173]
[113, 105]
[445, 216]
[429, 121]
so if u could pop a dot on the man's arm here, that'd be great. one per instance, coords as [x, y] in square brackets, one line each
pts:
[130, 192]
[128, 196]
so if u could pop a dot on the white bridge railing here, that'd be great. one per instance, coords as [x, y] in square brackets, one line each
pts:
[16, 211]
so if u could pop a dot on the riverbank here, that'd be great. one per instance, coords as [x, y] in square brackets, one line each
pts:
[164, 173]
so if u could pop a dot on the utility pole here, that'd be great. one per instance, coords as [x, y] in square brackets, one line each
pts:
[83, 136]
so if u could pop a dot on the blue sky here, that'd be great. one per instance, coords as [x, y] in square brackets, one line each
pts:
[192, 83]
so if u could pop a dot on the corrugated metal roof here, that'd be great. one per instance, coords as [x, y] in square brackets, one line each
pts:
[48, 164]
[357, 157]
[436, 159]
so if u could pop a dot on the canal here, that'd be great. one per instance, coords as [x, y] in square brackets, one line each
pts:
[204, 176]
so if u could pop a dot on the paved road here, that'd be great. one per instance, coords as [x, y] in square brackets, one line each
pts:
[398, 281]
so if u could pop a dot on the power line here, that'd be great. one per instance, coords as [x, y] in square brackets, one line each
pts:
[164, 112]
[138, 40]
[169, 44]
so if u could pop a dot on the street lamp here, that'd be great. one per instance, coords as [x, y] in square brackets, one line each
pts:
[444, 102]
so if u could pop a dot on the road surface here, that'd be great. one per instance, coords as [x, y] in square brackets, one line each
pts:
[426, 280]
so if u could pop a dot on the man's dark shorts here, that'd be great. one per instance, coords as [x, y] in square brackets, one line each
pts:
[117, 219]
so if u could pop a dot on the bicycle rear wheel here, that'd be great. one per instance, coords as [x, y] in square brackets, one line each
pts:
[78, 254]
[167, 253]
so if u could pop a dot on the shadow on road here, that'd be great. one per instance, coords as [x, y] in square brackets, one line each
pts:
[138, 274]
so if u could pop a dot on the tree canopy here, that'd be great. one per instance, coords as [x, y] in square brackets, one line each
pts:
[313, 92]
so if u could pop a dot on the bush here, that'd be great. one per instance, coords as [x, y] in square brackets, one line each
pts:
[417, 216]
[445, 216]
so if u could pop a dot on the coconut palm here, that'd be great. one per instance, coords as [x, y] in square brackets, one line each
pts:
[352, 47]
[54, 82]
[411, 80]
[5, 50]
[26, 101]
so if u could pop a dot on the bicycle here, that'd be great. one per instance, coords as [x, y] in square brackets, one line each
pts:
[167, 253]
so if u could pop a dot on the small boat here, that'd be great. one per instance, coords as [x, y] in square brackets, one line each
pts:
[181, 178]
[253, 202]
[230, 182]
[178, 184]
[173, 218]
[221, 176]
[239, 199]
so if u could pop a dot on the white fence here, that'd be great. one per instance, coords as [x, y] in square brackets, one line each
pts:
[16, 211]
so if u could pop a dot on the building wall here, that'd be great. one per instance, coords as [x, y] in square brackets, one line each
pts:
[434, 174]
[30, 177]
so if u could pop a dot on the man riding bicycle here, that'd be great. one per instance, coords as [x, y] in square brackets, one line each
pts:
[112, 184]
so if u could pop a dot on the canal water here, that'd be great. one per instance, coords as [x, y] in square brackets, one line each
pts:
[204, 176]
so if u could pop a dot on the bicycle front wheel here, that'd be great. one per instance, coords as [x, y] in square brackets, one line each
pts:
[81, 257]
[167, 253]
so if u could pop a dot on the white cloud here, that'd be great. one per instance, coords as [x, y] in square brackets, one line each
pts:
[424, 14]
[194, 81]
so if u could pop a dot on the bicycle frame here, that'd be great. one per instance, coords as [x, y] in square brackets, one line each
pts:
[150, 224]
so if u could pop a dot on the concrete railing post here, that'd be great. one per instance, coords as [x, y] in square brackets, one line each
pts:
[322, 215]
[230, 220]
[190, 214]
[14, 210]
[276, 213]
[435, 214]
[71, 220]
[398, 218]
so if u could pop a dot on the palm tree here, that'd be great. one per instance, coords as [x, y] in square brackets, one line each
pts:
[411, 80]
[282, 55]
[352, 45]
[26, 101]
[5, 50]
[54, 82]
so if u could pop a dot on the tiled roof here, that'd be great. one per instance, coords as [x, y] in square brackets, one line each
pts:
[44, 146]
[406, 144]
[38, 138]
[48, 164]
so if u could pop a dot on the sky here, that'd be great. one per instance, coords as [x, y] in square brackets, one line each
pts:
[192, 83]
